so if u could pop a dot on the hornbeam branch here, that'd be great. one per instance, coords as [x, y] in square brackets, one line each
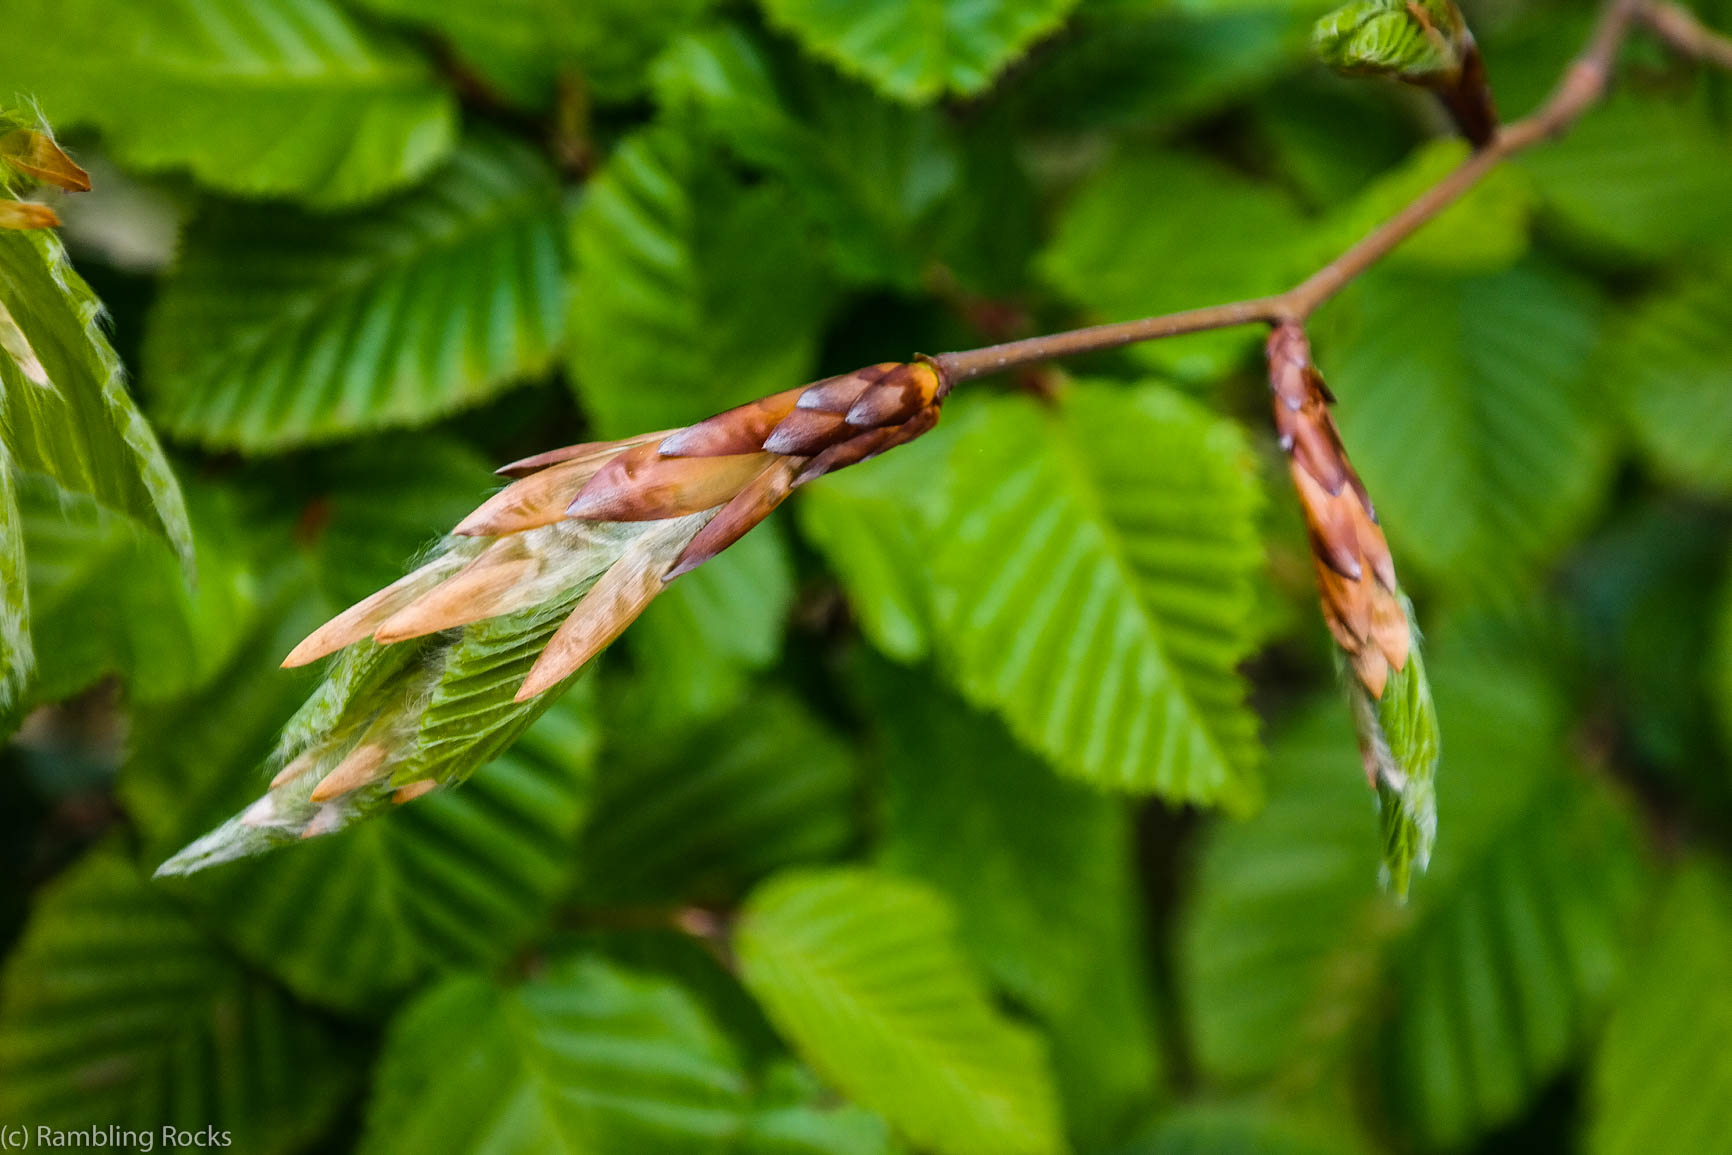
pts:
[1678, 27]
[1582, 85]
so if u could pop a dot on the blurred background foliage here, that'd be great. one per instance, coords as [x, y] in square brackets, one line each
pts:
[899, 827]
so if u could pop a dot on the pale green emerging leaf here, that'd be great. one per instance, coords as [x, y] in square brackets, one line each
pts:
[1398, 736]
[1413, 41]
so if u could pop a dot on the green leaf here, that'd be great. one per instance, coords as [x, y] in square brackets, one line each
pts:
[1155, 232]
[278, 328]
[119, 1012]
[64, 409]
[585, 1057]
[863, 975]
[458, 879]
[1093, 581]
[1415, 41]
[872, 523]
[1280, 942]
[1493, 974]
[693, 293]
[878, 179]
[1669, 361]
[522, 47]
[17, 656]
[1638, 179]
[1465, 403]
[920, 50]
[1485, 232]
[1039, 871]
[1720, 662]
[1660, 1080]
[700, 641]
[792, 1118]
[107, 597]
[703, 818]
[1223, 1129]
[1144, 67]
[256, 97]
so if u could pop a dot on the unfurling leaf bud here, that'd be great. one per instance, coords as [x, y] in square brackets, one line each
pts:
[27, 215]
[442, 668]
[1420, 42]
[35, 154]
[1412, 40]
[1364, 607]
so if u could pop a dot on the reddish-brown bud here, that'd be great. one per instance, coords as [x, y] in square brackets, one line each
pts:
[1362, 602]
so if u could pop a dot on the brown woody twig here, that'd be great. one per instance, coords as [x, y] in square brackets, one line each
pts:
[1582, 85]
[1679, 29]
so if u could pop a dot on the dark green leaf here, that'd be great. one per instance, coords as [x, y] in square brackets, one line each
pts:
[522, 47]
[1039, 872]
[693, 292]
[703, 818]
[119, 1012]
[585, 1057]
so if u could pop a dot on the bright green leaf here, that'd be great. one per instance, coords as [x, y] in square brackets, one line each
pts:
[1660, 1080]
[585, 1058]
[64, 408]
[1465, 404]
[119, 1012]
[793, 1117]
[919, 50]
[693, 292]
[1486, 231]
[256, 97]
[278, 328]
[17, 657]
[1094, 585]
[1638, 178]
[1669, 363]
[864, 976]
[1156, 232]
